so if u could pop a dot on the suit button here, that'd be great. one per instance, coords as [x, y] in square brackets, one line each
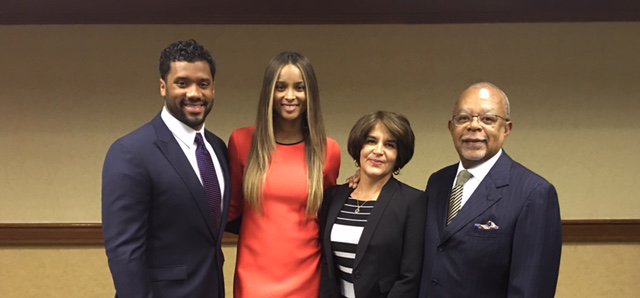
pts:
[440, 249]
[434, 282]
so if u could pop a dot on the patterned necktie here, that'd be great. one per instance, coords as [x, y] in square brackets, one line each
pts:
[456, 195]
[209, 179]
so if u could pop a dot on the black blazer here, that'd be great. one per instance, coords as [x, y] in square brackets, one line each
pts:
[158, 229]
[518, 257]
[389, 254]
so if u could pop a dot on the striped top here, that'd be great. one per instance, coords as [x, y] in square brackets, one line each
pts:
[345, 235]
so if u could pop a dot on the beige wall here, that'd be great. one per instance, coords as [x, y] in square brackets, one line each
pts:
[596, 270]
[69, 91]
[67, 272]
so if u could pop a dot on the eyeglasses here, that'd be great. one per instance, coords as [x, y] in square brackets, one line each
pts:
[486, 119]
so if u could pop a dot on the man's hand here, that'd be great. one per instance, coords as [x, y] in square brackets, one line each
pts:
[354, 180]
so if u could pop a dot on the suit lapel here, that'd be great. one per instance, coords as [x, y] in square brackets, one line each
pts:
[168, 145]
[483, 197]
[342, 193]
[442, 199]
[338, 200]
[386, 195]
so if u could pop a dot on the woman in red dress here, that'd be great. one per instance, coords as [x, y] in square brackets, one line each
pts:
[280, 168]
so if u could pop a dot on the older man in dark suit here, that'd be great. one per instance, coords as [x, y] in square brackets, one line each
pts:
[493, 226]
[165, 189]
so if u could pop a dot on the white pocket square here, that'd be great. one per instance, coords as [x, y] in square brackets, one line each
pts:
[488, 226]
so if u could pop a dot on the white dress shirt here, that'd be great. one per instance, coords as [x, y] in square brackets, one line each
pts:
[479, 172]
[186, 137]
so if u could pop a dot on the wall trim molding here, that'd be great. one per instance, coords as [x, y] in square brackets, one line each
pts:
[601, 230]
[90, 234]
[45, 234]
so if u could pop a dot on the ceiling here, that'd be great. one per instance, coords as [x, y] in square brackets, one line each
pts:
[17, 12]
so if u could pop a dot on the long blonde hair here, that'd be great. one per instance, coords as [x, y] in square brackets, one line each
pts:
[264, 138]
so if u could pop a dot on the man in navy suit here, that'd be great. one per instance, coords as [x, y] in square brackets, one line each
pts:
[162, 224]
[503, 236]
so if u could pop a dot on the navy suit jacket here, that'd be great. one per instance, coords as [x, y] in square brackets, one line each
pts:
[159, 232]
[519, 259]
[389, 254]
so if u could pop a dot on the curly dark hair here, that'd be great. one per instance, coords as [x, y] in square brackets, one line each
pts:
[185, 50]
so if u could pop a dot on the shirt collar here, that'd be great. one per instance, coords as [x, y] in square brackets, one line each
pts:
[181, 131]
[481, 170]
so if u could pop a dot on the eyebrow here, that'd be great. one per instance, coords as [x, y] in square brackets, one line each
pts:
[389, 140]
[284, 82]
[190, 79]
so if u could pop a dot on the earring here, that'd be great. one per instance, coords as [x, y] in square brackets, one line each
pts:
[396, 172]
[355, 162]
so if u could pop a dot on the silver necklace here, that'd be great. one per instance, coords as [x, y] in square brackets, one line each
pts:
[358, 206]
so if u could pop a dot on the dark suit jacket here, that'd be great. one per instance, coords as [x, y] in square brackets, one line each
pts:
[158, 229]
[519, 259]
[389, 254]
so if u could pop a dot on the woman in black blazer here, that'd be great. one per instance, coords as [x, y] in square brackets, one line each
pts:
[372, 236]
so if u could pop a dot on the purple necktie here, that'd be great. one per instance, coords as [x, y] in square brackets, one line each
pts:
[209, 179]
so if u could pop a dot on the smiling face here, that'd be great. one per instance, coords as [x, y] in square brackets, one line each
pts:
[289, 95]
[475, 141]
[378, 154]
[189, 92]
